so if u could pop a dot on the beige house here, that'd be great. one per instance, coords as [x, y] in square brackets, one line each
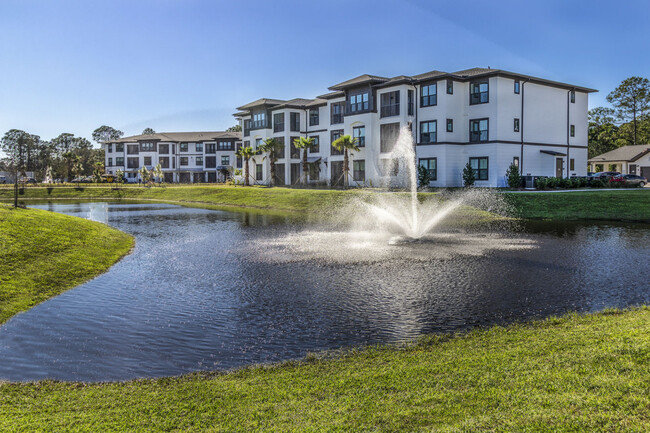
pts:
[626, 160]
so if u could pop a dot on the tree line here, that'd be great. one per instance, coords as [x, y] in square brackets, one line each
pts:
[626, 122]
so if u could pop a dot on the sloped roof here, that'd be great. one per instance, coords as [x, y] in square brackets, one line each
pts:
[179, 136]
[361, 79]
[260, 102]
[431, 74]
[475, 71]
[295, 103]
[624, 153]
[332, 95]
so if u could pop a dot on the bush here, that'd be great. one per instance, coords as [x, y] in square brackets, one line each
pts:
[541, 183]
[423, 177]
[468, 175]
[512, 174]
[597, 183]
[551, 182]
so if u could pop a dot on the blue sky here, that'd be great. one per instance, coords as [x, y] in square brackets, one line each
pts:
[71, 66]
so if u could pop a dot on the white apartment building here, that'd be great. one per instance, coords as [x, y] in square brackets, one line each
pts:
[489, 118]
[185, 157]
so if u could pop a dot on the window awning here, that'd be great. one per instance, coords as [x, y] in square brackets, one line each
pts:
[552, 152]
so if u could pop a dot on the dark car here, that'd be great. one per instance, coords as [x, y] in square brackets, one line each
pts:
[27, 180]
[631, 180]
[606, 175]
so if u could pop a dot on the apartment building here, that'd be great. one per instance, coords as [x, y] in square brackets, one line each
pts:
[489, 118]
[185, 157]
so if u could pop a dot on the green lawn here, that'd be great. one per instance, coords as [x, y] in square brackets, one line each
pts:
[575, 373]
[44, 254]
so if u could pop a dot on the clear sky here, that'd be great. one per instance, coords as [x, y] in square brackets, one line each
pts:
[184, 65]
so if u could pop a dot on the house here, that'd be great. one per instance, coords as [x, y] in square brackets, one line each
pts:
[489, 118]
[186, 157]
[625, 159]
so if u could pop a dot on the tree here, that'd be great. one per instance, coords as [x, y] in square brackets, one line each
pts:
[145, 175]
[304, 143]
[98, 171]
[631, 100]
[236, 128]
[513, 176]
[246, 153]
[603, 134]
[119, 176]
[148, 131]
[345, 144]
[158, 173]
[468, 175]
[106, 133]
[14, 144]
[424, 177]
[275, 150]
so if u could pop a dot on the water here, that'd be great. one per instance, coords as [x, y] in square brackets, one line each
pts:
[207, 290]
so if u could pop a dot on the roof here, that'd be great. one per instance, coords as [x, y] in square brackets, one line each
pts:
[261, 102]
[179, 136]
[428, 75]
[332, 95]
[361, 79]
[624, 153]
[296, 103]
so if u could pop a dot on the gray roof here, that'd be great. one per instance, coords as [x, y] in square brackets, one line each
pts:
[295, 103]
[179, 136]
[332, 95]
[361, 79]
[428, 75]
[261, 102]
[624, 153]
[475, 71]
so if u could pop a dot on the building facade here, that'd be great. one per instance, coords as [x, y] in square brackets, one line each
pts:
[626, 160]
[185, 157]
[488, 118]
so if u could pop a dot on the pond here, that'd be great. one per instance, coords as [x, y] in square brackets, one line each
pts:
[206, 290]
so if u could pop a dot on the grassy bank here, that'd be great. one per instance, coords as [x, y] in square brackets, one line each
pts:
[621, 205]
[44, 254]
[575, 373]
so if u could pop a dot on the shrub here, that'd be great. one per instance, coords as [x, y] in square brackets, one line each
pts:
[597, 183]
[541, 183]
[551, 182]
[423, 177]
[468, 175]
[512, 174]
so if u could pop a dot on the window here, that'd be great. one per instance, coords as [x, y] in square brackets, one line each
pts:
[359, 102]
[183, 160]
[515, 161]
[337, 112]
[295, 151]
[119, 161]
[335, 135]
[313, 117]
[428, 132]
[147, 160]
[133, 162]
[429, 95]
[480, 167]
[119, 147]
[315, 148]
[164, 161]
[110, 148]
[132, 149]
[147, 147]
[478, 130]
[163, 148]
[258, 172]
[259, 120]
[409, 102]
[572, 164]
[278, 122]
[199, 147]
[359, 132]
[450, 125]
[210, 147]
[247, 127]
[225, 160]
[517, 86]
[573, 96]
[572, 130]
[110, 162]
[258, 143]
[199, 161]
[294, 122]
[450, 87]
[183, 147]
[281, 150]
[388, 133]
[388, 167]
[478, 92]
[173, 150]
[359, 170]
[226, 145]
[210, 162]
[431, 165]
[173, 162]
[516, 125]
[390, 104]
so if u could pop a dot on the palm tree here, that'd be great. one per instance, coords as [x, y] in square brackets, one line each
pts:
[274, 148]
[246, 153]
[98, 171]
[305, 144]
[344, 144]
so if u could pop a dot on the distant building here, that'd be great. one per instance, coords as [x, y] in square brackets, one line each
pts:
[186, 157]
[626, 160]
[488, 118]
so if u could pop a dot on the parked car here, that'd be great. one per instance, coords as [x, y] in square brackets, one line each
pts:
[86, 179]
[606, 175]
[631, 180]
[27, 180]
[3, 179]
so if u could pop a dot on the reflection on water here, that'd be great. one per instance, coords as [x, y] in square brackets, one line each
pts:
[207, 289]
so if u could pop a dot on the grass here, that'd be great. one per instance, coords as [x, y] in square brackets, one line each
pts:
[574, 373]
[44, 254]
[622, 205]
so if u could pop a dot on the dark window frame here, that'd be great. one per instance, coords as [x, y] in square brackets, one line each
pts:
[450, 87]
[294, 122]
[450, 125]
[428, 133]
[183, 147]
[480, 173]
[515, 161]
[433, 172]
[119, 147]
[356, 103]
[294, 152]
[471, 132]
[144, 160]
[247, 127]
[480, 97]
[337, 112]
[572, 164]
[130, 160]
[314, 117]
[338, 133]
[515, 126]
[278, 122]
[224, 146]
[119, 159]
[359, 174]
[198, 161]
[132, 149]
[572, 130]
[430, 99]
[572, 96]
[316, 147]
[227, 159]
[362, 138]
[409, 101]
[110, 162]
[163, 161]
[148, 146]
[259, 172]
[517, 87]
[389, 103]
[184, 159]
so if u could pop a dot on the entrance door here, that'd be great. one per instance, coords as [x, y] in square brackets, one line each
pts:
[559, 165]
